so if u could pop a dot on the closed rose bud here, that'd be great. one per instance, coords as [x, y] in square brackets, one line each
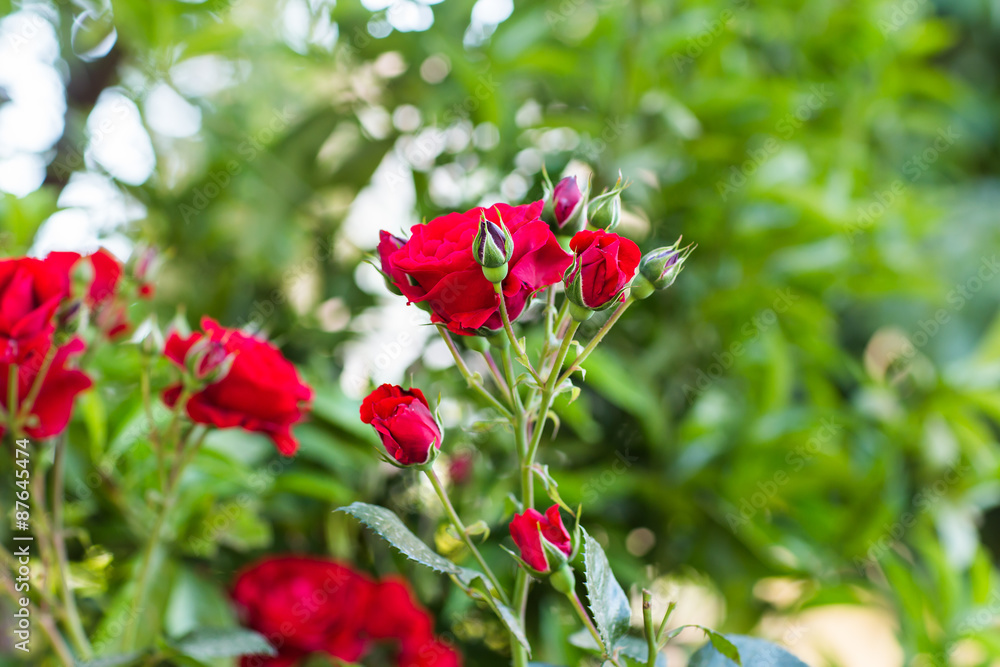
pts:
[605, 211]
[492, 249]
[542, 539]
[569, 204]
[387, 245]
[603, 266]
[659, 269]
[403, 420]
[208, 361]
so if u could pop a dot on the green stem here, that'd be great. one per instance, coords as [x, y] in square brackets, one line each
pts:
[460, 527]
[497, 375]
[12, 421]
[573, 367]
[548, 392]
[77, 634]
[578, 607]
[663, 624]
[48, 625]
[154, 435]
[36, 386]
[469, 378]
[522, 357]
[647, 624]
[184, 456]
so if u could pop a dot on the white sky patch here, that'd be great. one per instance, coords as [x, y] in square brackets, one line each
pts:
[170, 114]
[118, 140]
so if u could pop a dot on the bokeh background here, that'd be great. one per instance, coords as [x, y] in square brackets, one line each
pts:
[798, 440]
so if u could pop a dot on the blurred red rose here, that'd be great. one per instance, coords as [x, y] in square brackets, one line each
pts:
[530, 528]
[31, 291]
[304, 605]
[436, 266]
[261, 391]
[53, 403]
[403, 420]
[603, 266]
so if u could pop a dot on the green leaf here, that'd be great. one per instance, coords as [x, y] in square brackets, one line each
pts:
[632, 647]
[390, 528]
[510, 620]
[608, 602]
[211, 643]
[751, 650]
[114, 660]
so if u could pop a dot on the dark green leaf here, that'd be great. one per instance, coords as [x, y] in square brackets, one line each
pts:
[608, 602]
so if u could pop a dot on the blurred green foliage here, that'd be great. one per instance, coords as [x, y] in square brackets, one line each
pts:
[817, 398]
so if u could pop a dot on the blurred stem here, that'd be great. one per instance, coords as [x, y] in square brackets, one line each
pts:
[36, 386]
[519, 352]
[44, 619]
[154, 434]
[619, 311]
[184, 456]
[76, 631]
[647, 624]
[12, 421]
[456, 521]
[469, 378]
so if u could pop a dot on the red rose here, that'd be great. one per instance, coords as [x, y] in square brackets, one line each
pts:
[398, 616]
[261, 391]
[530, 528]
[53, 404]
[432, 653]
[436, 266]
[403, 420]
[304, 605]
[31, 291]
[604, 264]
[110, 314]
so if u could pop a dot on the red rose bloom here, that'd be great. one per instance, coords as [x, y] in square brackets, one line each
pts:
[308, 605]
[403, 420]
[261, 392]
[603, 266]
[51, 409]
[530, 528]
[31, 291]
[302, 606]
[436, 266]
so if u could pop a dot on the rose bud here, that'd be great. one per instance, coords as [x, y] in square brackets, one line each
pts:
[493, 247]
[208, 361]
[569, 206]
[603, 266]
[605, 210]
[541, 537]
[659, 269]
[403, 420]
[387, 245]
